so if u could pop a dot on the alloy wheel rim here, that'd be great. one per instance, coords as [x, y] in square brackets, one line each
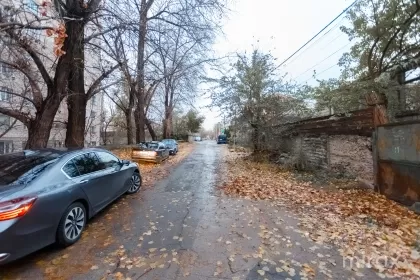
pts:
[75, 221]
[135, 183]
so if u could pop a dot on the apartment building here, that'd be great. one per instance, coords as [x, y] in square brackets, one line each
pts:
[14, 85]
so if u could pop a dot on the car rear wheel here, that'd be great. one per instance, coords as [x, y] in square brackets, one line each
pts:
[72, 224]
[135, 183]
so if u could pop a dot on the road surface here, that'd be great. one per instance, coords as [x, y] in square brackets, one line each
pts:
[184, 228]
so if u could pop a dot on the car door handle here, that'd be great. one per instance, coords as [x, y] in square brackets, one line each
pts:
[84, 181]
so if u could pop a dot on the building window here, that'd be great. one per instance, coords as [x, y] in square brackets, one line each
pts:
[6, 70]
[32, 6]
[33, 34]
[4, 120]
[5, 93]
[94, 100]
[6, 147]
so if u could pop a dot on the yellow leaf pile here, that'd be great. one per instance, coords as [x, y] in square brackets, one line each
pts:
[362, 223]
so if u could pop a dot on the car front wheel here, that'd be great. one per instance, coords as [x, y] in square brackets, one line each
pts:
[135, 183]
[72, 224]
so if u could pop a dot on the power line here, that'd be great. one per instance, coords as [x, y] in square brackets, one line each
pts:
[318, 40]
[323, 71]
[316, 35]
[322, 60]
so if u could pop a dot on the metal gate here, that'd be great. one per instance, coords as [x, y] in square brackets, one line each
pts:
[397, 161]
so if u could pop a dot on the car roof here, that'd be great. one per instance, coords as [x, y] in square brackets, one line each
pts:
[56, 152]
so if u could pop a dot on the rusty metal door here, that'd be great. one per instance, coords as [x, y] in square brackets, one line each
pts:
[397, 161]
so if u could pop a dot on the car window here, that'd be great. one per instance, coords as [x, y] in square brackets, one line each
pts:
[153, 146]
[107, 160]
[87, 163]
[70, 169]
[22, 168]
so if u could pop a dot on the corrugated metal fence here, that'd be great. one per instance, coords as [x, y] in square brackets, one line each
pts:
[397, 161]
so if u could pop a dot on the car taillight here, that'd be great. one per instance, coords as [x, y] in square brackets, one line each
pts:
[15, 208]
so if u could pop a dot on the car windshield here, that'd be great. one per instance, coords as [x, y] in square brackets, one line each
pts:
[168, 141]
[22, 168]
[153, 146]
[222, 137]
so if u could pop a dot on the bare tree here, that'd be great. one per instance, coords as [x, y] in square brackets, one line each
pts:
[50, 78]
[190, 16]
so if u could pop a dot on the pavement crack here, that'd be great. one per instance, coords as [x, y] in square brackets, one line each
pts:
[117, 265]
[144, 273]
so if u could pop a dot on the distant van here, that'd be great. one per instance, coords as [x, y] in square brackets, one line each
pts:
[222, 139]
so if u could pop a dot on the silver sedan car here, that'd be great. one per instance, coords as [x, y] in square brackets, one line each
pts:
[48, 195]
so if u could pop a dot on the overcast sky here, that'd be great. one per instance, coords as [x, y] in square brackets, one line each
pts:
[282, 26]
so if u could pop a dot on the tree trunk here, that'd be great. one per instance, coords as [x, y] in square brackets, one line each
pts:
[151, 130]
[77, 99]
[141, 93]
[140, 119]
[39, 128]
[167, 123]
[129, 122]
[256, 138]
[129, 115]
[137, 122]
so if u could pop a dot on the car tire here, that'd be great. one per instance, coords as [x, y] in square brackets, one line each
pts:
[135, 183]
[71, 225]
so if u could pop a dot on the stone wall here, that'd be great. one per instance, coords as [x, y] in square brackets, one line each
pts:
[315, 150]
[344, 155]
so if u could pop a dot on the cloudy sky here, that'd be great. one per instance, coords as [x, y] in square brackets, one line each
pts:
[282, 26]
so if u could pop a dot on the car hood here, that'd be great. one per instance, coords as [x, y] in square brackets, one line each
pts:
[7, 190]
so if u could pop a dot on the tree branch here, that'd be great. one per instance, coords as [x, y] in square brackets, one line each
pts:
[98, 81]
[22, 117]
[38, 62]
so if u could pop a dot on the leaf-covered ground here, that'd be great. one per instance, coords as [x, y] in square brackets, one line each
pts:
[367, 228]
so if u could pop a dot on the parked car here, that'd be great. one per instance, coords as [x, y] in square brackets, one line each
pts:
[48, 195]
[151, 152]
[197, 138]
[222, 139]
[171, 145]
